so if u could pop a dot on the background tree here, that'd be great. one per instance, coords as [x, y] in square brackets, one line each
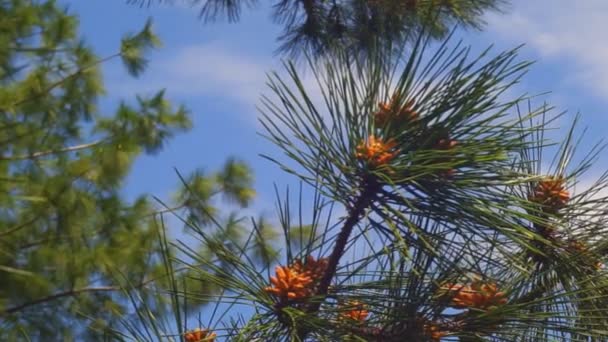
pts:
[69, 241]
[455, 228]
[317, 27]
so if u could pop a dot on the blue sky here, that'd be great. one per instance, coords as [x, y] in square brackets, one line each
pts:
[215, 70]
[218, 71]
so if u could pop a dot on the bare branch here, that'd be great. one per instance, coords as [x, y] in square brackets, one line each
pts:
[46, 153]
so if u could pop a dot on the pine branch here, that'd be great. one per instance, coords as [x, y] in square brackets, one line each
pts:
[69, 293]
[370, 188]
[46, 153]
[20, 226]
[60, 82]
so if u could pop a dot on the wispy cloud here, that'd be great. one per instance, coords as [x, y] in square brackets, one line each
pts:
[210, 69]
[571, 32]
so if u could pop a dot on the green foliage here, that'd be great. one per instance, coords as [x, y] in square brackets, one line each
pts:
[235, 181]
[452, 230]
[70, 242]
[133, 47]
[317, 28]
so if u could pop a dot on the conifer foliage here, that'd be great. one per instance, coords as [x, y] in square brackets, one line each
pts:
[316, 27]
[440, 211]
[70, 242]
[454, 229]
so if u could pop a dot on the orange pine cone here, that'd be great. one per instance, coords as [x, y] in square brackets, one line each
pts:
[390, 113]
[313, 268]
[289, 284]
[477, 295]
[376, 152]
[356, 311]
[199, 335]
[551, 193]
[298, 281]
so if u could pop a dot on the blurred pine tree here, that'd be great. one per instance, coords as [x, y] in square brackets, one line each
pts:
[69, 242]
[319, 27]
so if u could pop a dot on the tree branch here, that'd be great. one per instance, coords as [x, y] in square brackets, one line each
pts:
[69, 293]
[370, 188]
[45, 153]
[60, 82]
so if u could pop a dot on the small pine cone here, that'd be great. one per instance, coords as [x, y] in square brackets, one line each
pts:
[391, 113]
[376, 152]
[199, 335]
[551, 193]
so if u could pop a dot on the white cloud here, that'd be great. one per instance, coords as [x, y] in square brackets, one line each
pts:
[569, 31]
[213, 70]
[209, 69]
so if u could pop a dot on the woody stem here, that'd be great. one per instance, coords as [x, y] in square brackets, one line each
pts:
[369, 189]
